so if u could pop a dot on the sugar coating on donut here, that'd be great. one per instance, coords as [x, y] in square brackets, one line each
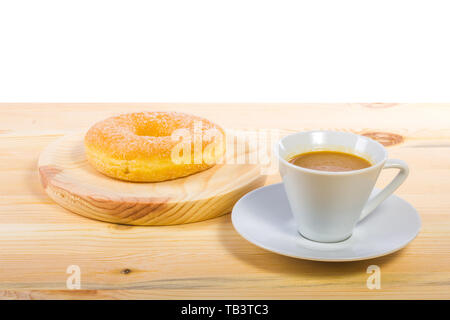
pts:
[138, 146]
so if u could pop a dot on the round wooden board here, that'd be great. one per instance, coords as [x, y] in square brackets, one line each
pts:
[73, 183]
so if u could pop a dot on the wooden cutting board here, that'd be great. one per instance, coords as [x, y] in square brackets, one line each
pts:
[72, 182]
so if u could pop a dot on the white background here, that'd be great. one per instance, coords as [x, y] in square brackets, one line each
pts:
[225, 51]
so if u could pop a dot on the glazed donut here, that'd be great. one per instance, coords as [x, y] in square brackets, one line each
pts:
[153, 146]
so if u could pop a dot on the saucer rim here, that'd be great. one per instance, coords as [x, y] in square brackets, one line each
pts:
[282, 252]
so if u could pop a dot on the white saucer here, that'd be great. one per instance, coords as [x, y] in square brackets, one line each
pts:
[264, 218]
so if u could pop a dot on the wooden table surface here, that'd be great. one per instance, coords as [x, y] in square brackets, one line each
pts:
[39, 239]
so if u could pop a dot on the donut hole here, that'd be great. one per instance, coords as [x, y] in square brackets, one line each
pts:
[148, 125]
[158, 124]
[151, 129]
[151, 132]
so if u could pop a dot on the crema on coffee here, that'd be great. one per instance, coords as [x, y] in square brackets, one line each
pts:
[333, 161]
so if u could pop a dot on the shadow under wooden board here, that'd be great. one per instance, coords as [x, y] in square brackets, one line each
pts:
[72, 182]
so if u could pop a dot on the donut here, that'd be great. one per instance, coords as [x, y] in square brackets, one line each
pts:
[153, 146]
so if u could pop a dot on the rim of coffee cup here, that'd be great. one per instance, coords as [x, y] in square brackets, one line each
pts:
[338, 173]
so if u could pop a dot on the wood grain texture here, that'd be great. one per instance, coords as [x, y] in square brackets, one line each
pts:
[39, 239]
[72, 182]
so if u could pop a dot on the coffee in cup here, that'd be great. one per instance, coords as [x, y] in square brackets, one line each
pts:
[326, 160]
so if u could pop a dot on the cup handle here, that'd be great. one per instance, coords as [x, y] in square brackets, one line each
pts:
[390, 188]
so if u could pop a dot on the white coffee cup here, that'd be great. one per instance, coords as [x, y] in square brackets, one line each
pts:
[327, 205]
